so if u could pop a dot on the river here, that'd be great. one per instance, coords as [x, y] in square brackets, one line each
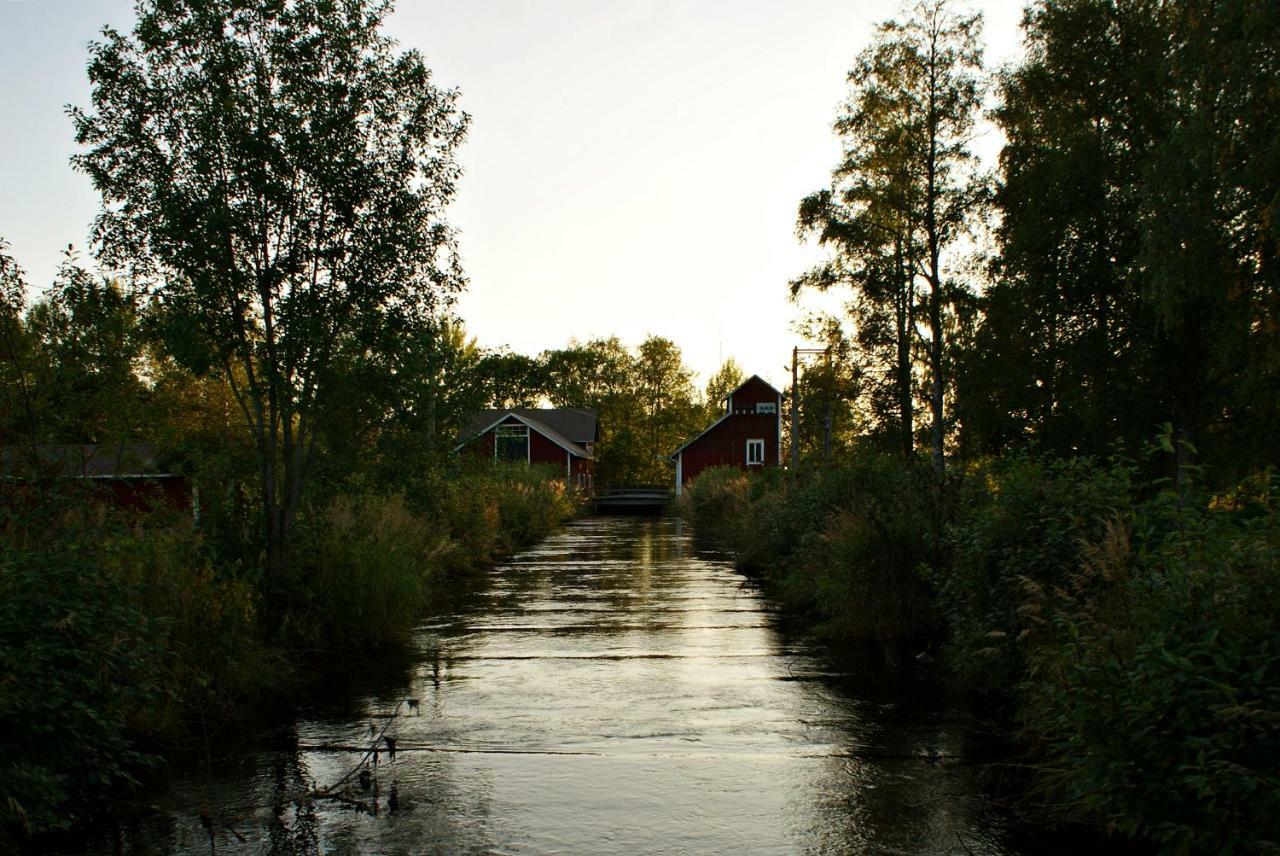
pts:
[612, 691]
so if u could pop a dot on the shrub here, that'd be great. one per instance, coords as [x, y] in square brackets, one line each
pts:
[110, 629]
[842, 544]
[368, 563]
[1153, 688]
[366, 573]
[718, 504]
[1018, 522]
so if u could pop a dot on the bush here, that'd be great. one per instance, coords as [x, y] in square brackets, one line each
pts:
[842, 544]
[1153, 687]
[718, 504]
[368, 565]
[109, 630]
[1018, 522]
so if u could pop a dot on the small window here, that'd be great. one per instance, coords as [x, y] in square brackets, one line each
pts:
[511, 443]
[769, 407]
[755, 453]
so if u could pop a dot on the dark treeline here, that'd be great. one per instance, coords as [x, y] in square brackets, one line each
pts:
[1055, 401]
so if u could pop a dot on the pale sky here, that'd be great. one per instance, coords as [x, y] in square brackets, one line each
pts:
[633, 166]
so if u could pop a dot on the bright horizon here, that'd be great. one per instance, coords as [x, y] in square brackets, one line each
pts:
[629, 171]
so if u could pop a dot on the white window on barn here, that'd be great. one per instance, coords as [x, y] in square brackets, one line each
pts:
[767, 407]
[755, 453]
[511, 443]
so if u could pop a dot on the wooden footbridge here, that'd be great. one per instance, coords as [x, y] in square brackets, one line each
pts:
[638, 499]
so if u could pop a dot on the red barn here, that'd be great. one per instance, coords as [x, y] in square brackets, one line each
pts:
[748, 435]
[127, 476]
[565, 437]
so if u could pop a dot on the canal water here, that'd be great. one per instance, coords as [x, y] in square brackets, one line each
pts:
[612, 691]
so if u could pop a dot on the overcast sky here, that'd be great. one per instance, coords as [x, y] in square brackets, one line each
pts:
[633, 166]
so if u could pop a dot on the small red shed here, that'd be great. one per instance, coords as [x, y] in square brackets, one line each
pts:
[748, 435]
[129, 476]
[564, 436]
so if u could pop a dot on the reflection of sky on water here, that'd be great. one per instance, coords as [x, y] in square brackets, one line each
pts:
[611, 691]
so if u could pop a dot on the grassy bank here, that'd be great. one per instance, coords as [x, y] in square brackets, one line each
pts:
[121, 635]
[1132, 635]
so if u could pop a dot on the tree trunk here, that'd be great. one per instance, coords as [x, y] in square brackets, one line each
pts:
[937, 387]
[905, 322]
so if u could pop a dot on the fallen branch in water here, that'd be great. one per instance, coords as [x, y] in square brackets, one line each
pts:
[372, 752]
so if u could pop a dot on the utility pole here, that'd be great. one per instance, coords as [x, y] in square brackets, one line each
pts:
[796, 353]
[795, 410]
[826, 416]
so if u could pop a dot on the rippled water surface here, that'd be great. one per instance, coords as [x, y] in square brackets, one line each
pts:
[610, 692]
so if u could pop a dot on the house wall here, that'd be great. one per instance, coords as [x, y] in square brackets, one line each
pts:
[726, 443]
[583, 473]
[136, 495]
[543, 451]
[580, 471]
[751, 393]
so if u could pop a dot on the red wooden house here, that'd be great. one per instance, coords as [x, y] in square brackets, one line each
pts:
[128, 476]
[748, 435]
[565, 437]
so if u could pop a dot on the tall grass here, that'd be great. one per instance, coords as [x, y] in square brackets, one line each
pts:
[120, 631]
[1132, 633]
[844, 545]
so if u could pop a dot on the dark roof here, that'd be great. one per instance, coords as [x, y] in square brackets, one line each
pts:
[747, 381]
[577, 426]
[568, 427]
[90, 460]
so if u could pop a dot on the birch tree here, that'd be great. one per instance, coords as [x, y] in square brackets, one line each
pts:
[904, 193]
[275, 172]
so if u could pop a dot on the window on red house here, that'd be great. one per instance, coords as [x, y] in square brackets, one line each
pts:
[511, 443]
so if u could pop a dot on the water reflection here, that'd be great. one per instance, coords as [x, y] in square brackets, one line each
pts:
[611, 691]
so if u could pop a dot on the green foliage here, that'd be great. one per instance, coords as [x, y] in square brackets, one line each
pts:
[370, 564]
[718, 504]
[1136, 633]
[275, 175]
[78, 656]
[844, 544]
[1153, 683]
[902, 196]
[1131, 284]
[370, 567]
[107, 632]
[1019, 522]
[726, 379]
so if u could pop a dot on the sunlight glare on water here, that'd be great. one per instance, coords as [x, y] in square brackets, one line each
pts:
[612, 691]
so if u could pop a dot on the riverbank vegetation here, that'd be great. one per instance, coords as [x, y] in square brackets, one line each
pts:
[293, 380]
[1084, 523]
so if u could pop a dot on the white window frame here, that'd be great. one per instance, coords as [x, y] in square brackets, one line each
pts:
[767, 407]
[508, 429]
[755, 444]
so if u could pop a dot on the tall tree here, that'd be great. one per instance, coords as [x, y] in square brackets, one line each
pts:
[728, 378]
[1136, 279]
[904, 193]
[667, 399]
[277, 173]
[17, 418]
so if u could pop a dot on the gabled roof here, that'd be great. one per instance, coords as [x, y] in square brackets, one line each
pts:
[698, 436]
[546, 422]
[574, 424]
[706, 430]
[747, 381]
